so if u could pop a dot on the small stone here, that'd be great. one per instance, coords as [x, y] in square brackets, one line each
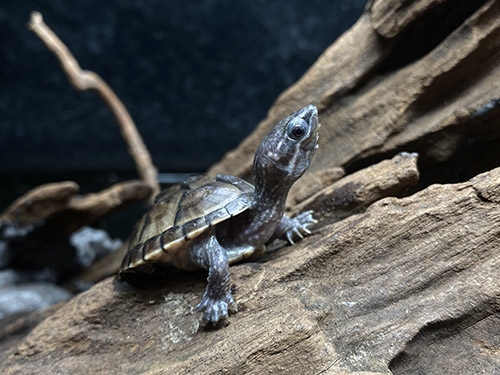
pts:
[92, 244]
[29, 297]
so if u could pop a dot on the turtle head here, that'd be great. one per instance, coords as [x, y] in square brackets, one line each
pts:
[286, 152]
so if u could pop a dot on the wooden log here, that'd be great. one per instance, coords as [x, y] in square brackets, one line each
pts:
[355, 192]
[56, 207]
[382, 290]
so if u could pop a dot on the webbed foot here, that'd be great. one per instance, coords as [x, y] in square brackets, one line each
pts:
[299, 226]
[216, 309]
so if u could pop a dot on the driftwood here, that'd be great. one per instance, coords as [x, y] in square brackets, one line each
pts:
[396, 287]
[305, 188]
[57, 208]
[355, 192]
[393, 285]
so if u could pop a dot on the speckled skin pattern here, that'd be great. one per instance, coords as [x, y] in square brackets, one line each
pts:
[282, 157]
[210, 222]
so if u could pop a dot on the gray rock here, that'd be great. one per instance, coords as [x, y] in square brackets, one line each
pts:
[29, 297]
[92, 244]
[10, 277]
[13, 277]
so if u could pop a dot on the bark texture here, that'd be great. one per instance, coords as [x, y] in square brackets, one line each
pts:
[408, 281]
[358, 190]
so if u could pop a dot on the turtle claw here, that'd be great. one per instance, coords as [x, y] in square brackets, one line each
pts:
[297, 232]
[300, 226]
[306, 230]
[216, 309]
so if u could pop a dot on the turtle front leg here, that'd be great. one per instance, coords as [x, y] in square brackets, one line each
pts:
[217, 299]
[294, 227]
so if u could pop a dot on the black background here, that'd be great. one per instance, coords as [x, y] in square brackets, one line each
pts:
[196, 76]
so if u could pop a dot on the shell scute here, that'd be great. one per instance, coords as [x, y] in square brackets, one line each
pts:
[135, 255]
[194, 227]
[170, 237]
[237, 205]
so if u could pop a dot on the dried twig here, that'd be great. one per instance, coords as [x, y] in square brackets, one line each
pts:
[86, 80]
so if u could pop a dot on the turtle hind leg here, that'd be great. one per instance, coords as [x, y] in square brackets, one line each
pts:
[217, 299]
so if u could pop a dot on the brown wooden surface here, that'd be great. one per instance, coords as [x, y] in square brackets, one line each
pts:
[409, 281]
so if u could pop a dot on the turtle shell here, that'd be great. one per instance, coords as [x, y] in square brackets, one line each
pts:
[180, 214]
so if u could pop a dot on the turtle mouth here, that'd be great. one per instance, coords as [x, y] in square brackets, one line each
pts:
[311, 142]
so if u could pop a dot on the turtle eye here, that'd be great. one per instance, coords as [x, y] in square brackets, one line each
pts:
[297, 129]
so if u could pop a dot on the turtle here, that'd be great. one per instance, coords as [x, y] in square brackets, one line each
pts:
[210, 222]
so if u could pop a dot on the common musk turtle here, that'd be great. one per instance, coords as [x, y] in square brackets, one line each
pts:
[210, 222]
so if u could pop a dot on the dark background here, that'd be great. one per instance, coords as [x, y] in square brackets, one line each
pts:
[196, 76]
